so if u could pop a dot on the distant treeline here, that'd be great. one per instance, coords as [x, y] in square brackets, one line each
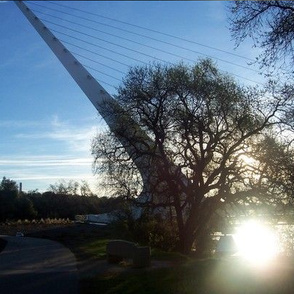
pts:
[15, 204]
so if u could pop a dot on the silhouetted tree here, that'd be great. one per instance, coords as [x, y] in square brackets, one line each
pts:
[24, 208]
[71, 188]
[270, 24]
[203, 127]
[8, 198]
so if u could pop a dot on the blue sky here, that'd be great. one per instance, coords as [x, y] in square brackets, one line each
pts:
[46, 121]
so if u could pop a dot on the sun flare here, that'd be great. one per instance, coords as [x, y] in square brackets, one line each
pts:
[248, 160]
[256, 243]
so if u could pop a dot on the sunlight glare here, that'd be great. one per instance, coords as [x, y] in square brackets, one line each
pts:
[247, 160]
[256, 243]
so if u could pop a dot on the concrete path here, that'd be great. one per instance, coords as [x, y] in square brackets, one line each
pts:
[37, 266]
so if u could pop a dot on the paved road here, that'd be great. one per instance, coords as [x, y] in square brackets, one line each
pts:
[37, 266]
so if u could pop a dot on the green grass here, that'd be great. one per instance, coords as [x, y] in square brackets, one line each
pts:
[184, 276]
[168, 256]
[95, 248]
[136, 282]
[203, 276]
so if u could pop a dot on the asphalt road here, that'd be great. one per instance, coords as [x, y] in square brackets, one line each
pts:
[37, 266]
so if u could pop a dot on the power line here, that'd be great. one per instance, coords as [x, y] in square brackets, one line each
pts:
[151, 30]
[135, 58]
[106, 83]
[98, 46]
[100, 63]
[112, 43]
[145, 63]
[115, 52]
[97, 70]
[161, 41]
[94, 52]
[148, 46]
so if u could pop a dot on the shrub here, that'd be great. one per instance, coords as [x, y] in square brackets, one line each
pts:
[147, 230]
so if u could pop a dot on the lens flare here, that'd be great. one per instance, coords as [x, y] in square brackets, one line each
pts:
[257, 243]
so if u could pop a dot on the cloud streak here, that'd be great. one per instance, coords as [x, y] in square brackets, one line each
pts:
[40, 153]
[49, 162]
[75, 137]
[39, 172]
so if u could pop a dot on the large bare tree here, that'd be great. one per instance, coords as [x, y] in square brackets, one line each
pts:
[206, 132]
[270, 24]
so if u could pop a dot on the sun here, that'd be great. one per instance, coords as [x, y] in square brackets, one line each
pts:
[256, 242]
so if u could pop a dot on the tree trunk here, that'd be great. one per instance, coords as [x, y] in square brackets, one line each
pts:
[185, 244]
[201, 242]
[195, 233]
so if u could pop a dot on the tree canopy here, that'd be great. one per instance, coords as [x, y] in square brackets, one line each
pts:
[63, 200]
[71, 188]
[205, 130]
[270, 24]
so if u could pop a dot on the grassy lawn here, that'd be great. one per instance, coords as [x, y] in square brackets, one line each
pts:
[95, 248]
[178, 274]
[202, 276]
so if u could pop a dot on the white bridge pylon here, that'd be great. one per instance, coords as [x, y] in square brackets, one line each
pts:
[124, 127]
[132, 137]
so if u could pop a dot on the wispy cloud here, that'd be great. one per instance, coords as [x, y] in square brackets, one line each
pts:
[43, 163]
[41, 171]
[40, 153]
[76, 137]
[18, 123]
[52, 177]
